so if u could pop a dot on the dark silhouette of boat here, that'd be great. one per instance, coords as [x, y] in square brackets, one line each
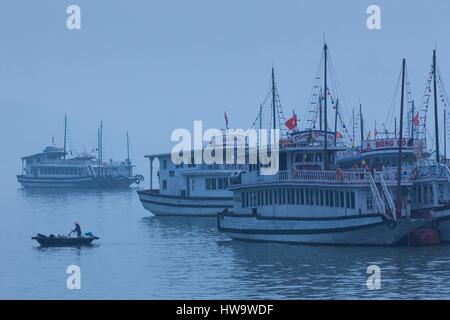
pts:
[64, 241]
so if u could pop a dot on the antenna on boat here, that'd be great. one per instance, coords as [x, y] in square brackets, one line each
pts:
[400, 147]
[361, 120]
[436, 122]
[65, 134]
[325, 51]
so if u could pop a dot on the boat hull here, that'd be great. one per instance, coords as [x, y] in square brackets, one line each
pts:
[356, 230]
[64, 242]
[76, 182]
[168, 205]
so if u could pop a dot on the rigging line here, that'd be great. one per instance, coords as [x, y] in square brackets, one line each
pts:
[339, 90]
[314, 87]
[393, 103]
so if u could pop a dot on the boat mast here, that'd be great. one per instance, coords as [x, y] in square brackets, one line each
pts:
[128, 154]
[273, 100]
[445, 134]
[320, 110]
[336, 121]
[436, 122]
[65, 134]
[325, 159]
[353, 127]
[400, 147]
[412, 120]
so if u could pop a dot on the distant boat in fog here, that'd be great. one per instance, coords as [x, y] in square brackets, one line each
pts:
[52, 169]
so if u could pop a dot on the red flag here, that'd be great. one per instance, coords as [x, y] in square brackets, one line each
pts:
[416, 120]
[339, 135]
[291, 123]
[226, 119]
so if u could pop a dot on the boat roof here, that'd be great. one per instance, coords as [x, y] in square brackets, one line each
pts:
[46, 151]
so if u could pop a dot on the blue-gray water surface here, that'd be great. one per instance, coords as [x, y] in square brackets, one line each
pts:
[140, 256]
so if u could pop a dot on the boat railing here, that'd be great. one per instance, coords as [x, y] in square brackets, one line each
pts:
[313, 145]
[378, 175]
[320, 176]
[62, 162]
[221, 167]
[376, 195]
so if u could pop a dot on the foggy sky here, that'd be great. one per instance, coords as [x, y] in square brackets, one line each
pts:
[152, 66]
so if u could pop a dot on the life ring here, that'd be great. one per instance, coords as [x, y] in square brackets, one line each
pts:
[392, 224]
[339, 174]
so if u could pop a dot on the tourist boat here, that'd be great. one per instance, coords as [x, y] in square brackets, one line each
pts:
[429, 192]
[312, 200]
[52, 169]
[195, 189]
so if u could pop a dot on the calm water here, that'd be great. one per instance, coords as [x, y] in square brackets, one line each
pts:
[144, 257]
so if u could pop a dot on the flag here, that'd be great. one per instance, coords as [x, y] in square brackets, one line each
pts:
[226, 119]
[369, 135]
[291, 123]
[416, 120]
[338, 135]
[375, 133]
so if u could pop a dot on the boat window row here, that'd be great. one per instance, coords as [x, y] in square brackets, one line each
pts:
[422, 194]
[217, 183]
[309, 197]
[70, 171]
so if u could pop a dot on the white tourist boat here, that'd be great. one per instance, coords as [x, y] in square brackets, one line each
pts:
[194, 189]
[51, 168]
[312, 200]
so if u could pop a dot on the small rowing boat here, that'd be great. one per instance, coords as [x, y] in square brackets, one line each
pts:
[64, 241]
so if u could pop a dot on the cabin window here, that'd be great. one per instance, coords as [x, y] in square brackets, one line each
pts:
[288, 196]
[242, 199]
[284, 196]
[193, 184]
[302, 196]
[270, 197]
[164, 164]
[321, 198]
[309, 157]
[164, 184]
[307, 197]
[171, 173]
[327, 198]
[342, 199]
[246, 199]
[297, 196]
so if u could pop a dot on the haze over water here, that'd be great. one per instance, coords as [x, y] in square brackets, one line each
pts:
[140, 256]
[150, 67]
